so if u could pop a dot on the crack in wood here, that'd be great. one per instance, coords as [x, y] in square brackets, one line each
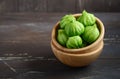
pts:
[9, 66]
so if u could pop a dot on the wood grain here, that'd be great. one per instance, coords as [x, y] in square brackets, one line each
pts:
[32, 5]
[101, 5]
[63, 6]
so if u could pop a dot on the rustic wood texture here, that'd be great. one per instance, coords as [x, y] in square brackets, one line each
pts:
[25, 51]
[61, 5]
[32, 5]
[100, 5]
[71, 6]
[8, 6]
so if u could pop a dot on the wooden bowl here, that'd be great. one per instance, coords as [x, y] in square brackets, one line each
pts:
[78, 57]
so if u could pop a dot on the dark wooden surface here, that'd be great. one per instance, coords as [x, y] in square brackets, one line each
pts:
[74, 6]
[25, 51]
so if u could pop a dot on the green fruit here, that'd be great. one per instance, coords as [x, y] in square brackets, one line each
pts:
[66, 20]
[61, 37]
[91, 33]
[87, 19]
[74, 28]
[74, 42]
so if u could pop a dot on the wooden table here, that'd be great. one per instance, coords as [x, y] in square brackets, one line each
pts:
[25, 51]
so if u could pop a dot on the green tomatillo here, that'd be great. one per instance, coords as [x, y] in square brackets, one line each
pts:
[74, 28]
[66, 20]
[74, 42]
[91, 33]
[87, 19]
[61, 37]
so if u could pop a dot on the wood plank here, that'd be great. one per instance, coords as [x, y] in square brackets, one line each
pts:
[71, 6]
[8, 6]
[32, 5]
[61, 6]
[34, 68]
[100, 5]
[79, 6]
[112, 6]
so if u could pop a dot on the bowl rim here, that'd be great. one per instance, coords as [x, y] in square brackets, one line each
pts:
[84, 54]
[53, 36]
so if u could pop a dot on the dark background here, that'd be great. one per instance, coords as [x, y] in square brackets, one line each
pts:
[25, 35]
[69, 6]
